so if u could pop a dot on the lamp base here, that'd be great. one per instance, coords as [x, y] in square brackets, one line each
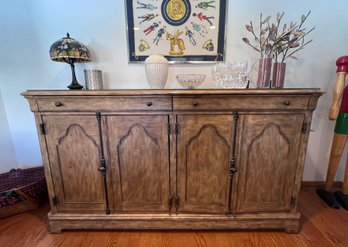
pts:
[74, 84]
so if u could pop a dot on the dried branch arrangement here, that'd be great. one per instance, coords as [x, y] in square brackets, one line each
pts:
[277, 40]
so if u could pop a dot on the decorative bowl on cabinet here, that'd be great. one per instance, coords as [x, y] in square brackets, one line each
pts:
[190, 81]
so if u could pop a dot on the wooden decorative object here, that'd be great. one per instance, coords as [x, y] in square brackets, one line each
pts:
[174, 159]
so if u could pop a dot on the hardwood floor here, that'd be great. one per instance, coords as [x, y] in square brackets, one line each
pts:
[321, 226]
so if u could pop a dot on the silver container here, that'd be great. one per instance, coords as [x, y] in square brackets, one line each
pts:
[93, 79]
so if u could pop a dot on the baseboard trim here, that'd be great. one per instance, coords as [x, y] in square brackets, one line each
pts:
[320, 184]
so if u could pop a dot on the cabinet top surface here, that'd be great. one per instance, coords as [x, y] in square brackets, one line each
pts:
[120, 92]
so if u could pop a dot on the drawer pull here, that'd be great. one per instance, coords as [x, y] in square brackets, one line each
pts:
[58, 104]
[195, 103]
[149, 103]
[287, 102]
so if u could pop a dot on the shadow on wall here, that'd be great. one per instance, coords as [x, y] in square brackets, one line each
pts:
[8, 158]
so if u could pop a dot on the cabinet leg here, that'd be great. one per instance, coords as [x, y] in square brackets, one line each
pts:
[54, 229]
[292, 229]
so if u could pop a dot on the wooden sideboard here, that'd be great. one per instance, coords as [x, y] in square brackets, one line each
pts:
[174, 159]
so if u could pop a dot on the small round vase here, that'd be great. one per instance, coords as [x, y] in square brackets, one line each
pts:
[156, 69]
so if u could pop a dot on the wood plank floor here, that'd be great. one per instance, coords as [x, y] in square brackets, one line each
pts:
[321, 226]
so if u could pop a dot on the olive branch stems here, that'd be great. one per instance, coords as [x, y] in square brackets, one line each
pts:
[278, 42]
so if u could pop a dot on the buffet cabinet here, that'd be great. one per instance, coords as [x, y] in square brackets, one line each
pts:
[173, 159]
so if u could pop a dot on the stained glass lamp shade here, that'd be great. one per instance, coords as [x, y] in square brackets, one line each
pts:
[70, 51]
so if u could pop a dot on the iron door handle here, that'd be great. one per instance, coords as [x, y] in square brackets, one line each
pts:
[233, 170]
[149, 104]
[102, 169]
[58, 104]
[195, 103]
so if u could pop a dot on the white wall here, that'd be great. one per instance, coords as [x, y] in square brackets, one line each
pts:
[28, 28]
[7, 152]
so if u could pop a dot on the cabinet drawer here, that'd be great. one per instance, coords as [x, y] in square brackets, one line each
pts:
[240, 102]
[115, 103]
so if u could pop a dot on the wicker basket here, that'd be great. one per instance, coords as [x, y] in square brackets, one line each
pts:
[22, 190]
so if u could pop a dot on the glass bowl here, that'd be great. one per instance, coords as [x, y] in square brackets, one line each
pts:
[231, 75]
[190, 81]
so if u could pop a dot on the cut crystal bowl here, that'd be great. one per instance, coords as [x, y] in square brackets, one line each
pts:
[190, 81]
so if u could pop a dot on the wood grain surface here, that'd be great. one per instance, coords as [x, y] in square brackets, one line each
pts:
[73, 150]
[204, 154]
[138, 151]
[267, 162]
[168, 157]
[321, 227]
[133, 103]
[283, 91]
[240, 102]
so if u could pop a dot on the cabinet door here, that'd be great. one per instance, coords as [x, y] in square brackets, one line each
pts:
[269, 146]
[204, 147]
[139, 156]
[73, 150]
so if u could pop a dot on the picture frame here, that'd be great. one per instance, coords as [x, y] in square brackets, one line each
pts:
[184, 31]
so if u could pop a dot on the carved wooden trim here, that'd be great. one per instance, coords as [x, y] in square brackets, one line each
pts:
[83, 131]
[265, 129]
[130, 130]
[205, 127]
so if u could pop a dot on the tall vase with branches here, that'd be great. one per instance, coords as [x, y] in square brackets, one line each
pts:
[278, 41]
[290, 39]
[264, 47]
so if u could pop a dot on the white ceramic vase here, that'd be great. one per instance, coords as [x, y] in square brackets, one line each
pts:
[156, 69]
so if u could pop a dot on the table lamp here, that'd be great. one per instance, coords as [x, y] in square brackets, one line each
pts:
[70, 51]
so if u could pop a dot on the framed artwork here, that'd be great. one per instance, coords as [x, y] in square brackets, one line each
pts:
[181, 30]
